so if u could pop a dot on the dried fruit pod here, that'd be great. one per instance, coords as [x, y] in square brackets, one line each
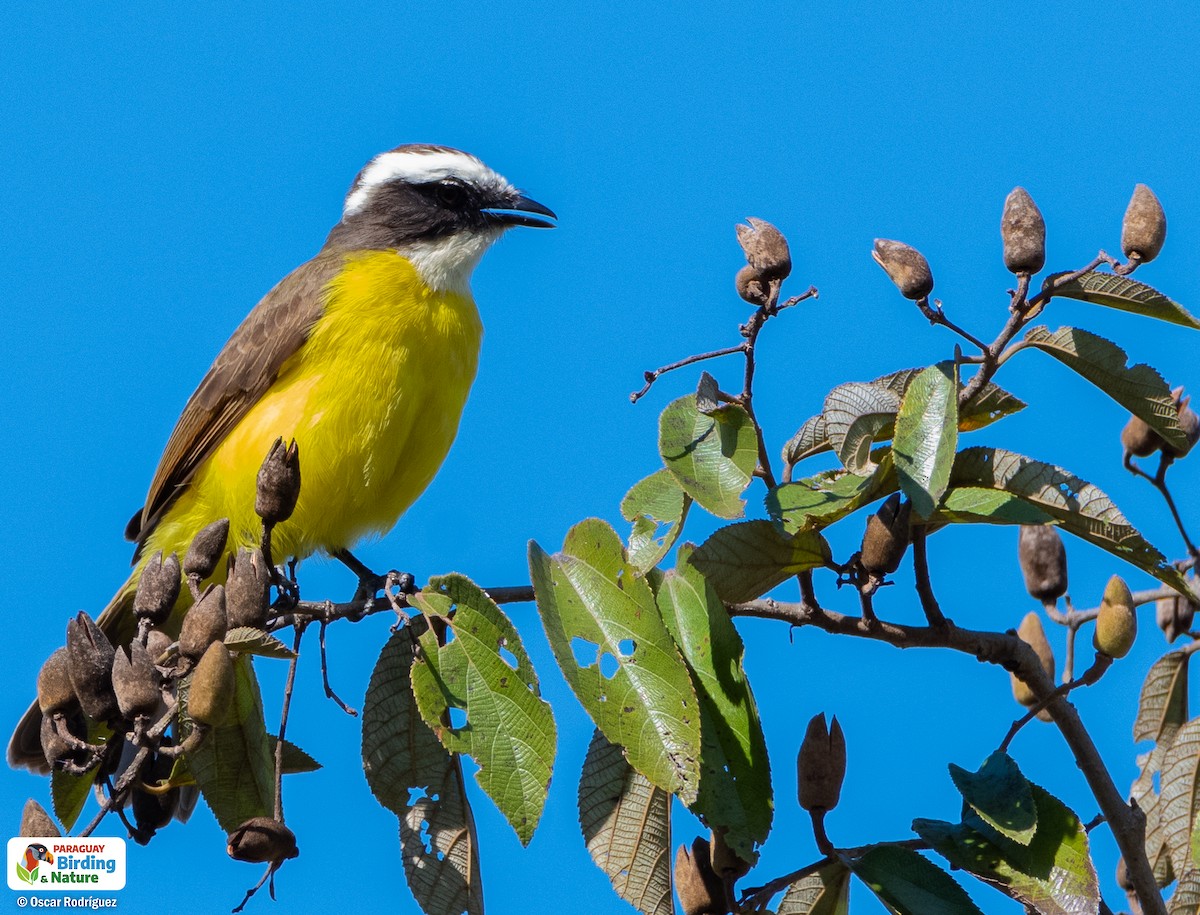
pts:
[1116, 622]
[1139, 439]
[157, 643]
[262, 839]
[54, 690]
[700, 891]
[248, 589]
[906, 267]
[211, 692]
[135, 681]
[158, 589]
[153, 811]
[1144, 228]
[821, 764]
[1189, 422]
[1174, 615]
[766, 249]
[726, 863]
[752, 287]
[1043, 559]
[89, 663]
[206, 550]
[886, 537]
[204, 624]
[36, 822]
[278, 483]
[1032, 634]
[1023, 231]
[55, 747]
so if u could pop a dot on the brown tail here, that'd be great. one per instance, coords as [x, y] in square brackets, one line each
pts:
[25, 745]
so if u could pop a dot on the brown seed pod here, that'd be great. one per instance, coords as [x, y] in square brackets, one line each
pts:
[54, 689]
[55, 747]
[1023, 232]
[1174, 615]
[158, 589]
[36, 822]
[1139, 439]
[1043, 559]
[1144, 228]
[1189, 422]
[157, 643]
[726, 863]
[1116, 622]
[700, 891]
[752, 287]
[821, 764]
[886, 538]
[766, 249]
[135, 681]
[89, 663]
[262, 839]
[211, 693]
[906, 267]
[204, 623]
[153, 811]
[206, 550]
[1032, 634]
[278, 483]
[248, 589]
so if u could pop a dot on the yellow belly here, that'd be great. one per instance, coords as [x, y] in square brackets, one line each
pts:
[373, 399]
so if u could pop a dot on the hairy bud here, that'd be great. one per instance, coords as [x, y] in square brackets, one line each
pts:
[906, 267]
[1174, 615]
[1116, 623]
[751, 286]
[260, 840]
[886, 537]
[204, 624]
[158, 589]
[211, 692]
[700, 891]
[36, 822]
[135, 681]
[766, 249]
[1139, 439]
[1023, 232]
[278, 483]
[54, 690]
[206, 550]
[89, 664]
[1032, 634]
[1043, 559]
[821, 764]
[248, 589]
[1145, 226]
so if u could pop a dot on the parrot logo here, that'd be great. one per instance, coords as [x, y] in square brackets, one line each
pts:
[27, 866]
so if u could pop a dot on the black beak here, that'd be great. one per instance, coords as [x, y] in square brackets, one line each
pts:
[520, 211]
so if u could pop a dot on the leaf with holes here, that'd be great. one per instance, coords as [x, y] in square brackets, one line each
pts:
[626, 823]
[746, 560]
[657, 506]
[1077, 505]
[1163, 705]
[908, 884]
[1181, 792]
[826, 892]
[509, 730]
[1122, 293]
[1139, 389]
[926, 437]
[854, 413]
[735, 774]
[591, 598]
[712, 455]
[999, 793]
[411, 774]
[970, 505]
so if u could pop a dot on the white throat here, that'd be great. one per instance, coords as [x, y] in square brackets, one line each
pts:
[446, 264]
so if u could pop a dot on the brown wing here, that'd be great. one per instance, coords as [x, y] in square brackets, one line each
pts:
[242, 372]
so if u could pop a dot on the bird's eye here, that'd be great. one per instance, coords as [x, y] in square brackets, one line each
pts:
[451, 193]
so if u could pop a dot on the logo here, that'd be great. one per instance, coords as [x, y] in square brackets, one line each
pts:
[27, 864]
[49, 863]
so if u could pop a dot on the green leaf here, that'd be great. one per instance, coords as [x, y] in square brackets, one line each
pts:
[746, 560]
[508, 730]
[820, 500]
[1181, 793]
[827, 892]
[1140, 389]
[971, 505]
[1124, 294]
[999, 793]
[1077, 505]
[735, 774]
[295, 761]
[1163, 705]
[412, 775]
[1053, 875]
[248, 640]
[633, 684]
[712, 455]
[657, 506]
[626, 823]
[908, 884]
[926, 437]
[233, 765]
[854, 414]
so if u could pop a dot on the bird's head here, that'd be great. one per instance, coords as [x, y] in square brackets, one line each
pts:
[440, 207]
[39, 853]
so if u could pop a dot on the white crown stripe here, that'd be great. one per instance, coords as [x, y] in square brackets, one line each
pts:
[417, 167]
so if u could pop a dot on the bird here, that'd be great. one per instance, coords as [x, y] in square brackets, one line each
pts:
[363, 355]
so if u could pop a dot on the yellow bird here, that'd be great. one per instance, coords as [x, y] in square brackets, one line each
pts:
[364, 355]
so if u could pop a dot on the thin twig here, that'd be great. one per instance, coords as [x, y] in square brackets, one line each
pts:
[933, 613]
[329, 693]
[1102, 663]
[283, 720]
[653, 376]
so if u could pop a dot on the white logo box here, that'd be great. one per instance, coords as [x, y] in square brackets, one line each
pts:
[71, 865]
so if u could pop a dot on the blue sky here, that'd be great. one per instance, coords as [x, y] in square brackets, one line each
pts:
[160, 172]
